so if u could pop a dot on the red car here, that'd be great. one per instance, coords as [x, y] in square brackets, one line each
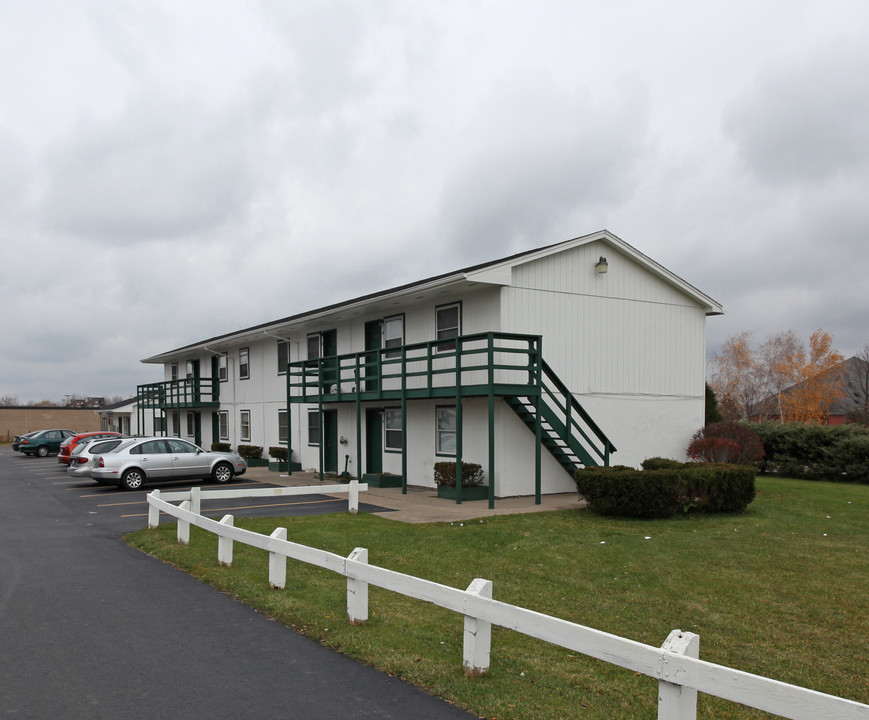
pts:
[68, 445]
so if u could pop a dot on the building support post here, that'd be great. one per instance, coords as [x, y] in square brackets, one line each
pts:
[491, 421]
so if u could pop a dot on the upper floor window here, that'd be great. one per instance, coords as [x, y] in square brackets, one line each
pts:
[283, 356]
[393, 335]
[173, 371]
[222, 368]
[314, 346]
[244, 363]
[190, 370]
[448, 324]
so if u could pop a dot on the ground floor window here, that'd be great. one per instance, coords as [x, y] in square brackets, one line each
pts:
[223, 424]
[176, 423]
[283, 432]
[191, 425]
[244, 427]
[392, 436]
[445, 424]
[313, 427]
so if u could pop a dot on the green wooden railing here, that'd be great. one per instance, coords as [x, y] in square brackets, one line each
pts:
[183, 393]
[500, 364]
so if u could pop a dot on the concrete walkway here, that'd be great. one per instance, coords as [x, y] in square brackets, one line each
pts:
[422, 505]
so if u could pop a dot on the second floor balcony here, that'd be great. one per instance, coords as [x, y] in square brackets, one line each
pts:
[182, 393]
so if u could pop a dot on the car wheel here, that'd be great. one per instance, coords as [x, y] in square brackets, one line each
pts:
[42, 451]
[222, 473]
[132, 479]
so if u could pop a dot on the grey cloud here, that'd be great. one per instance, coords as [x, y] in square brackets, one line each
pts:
[541, 156]
[162, 169]
[804, 120]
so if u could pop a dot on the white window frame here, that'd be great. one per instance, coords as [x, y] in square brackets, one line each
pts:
[392, 426]
[223, 367]
[318, 337]
[283, 348]
[223, 424]
[441, 435]
[315, 415]
[244, 425]
[191, 424]
[391, 338]
[283, 428]
[244, 363]
[448, 331]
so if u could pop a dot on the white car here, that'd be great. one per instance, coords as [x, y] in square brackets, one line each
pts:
[137, 461]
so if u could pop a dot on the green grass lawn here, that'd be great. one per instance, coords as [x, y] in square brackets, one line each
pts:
[780, 591]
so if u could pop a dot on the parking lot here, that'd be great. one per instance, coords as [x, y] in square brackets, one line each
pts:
[94, 629]
[108, 503]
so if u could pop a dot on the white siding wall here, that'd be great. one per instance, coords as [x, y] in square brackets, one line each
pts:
[631, 346]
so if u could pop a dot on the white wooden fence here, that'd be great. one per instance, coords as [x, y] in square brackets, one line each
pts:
[676, 665]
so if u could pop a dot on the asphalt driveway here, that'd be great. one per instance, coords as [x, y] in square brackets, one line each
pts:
[90, 628]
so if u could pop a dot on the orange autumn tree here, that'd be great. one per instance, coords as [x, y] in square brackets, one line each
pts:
[779, 379]
[820, 383]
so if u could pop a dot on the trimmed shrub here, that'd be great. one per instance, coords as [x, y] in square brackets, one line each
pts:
[661, 493]
[445, 474]
[727, 442]
[659, 463]
[816, 452]
[250, 452]
[279, 453]
[221, 447]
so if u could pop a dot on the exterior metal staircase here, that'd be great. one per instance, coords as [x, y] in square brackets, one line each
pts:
[567, 431]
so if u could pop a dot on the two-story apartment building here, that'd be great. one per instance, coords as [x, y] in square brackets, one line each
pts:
[531, 365]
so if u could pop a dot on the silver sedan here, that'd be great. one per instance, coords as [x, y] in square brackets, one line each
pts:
[135, 462]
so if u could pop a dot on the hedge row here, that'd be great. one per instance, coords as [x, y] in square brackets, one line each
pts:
[818, 452]
[666, 487]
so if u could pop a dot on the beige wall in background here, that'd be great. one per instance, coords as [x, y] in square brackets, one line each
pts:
[20, 420]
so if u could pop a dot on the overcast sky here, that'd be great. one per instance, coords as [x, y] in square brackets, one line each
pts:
[171, 171]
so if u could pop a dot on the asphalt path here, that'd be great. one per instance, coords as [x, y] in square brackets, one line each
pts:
[90, 628]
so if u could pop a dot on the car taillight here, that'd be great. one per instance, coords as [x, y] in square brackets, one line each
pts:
[81, 460]
[101, 463]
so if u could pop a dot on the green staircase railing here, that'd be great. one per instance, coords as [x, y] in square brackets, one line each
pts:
[507, 365]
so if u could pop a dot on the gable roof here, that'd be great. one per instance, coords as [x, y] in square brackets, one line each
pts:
[495, 272]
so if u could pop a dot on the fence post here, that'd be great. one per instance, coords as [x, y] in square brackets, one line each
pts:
[676, 702]
[478, 634]
[224, 544]
[153, 512]
[357, 590]
[278, 562]
[184, 526]
[196, 500]
[353, 496]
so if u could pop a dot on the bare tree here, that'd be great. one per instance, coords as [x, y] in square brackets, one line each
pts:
[738, 379]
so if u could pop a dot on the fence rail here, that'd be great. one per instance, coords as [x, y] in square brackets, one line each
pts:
[680, 673]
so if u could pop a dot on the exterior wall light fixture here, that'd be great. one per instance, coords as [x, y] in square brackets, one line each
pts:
[601, 265]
